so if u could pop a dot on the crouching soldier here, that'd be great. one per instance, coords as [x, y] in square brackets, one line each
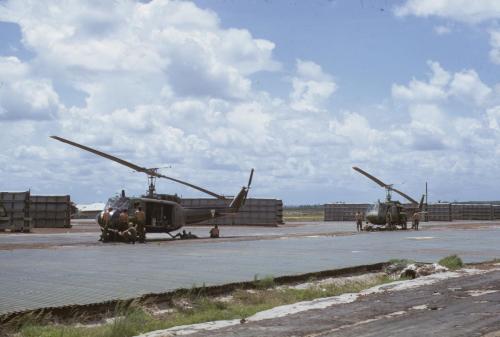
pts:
[214, 232]
[129, 235]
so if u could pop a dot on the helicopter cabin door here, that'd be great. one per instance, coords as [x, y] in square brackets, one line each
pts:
[159, 215]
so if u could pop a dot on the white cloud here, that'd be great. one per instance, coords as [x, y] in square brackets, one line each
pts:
[460, 10]
[442, 85]
[495, 46]
[23, 96]
[470, 12]
[424, 91]
[166, 83]
[312, 87]
[442, 30]
[468, 84]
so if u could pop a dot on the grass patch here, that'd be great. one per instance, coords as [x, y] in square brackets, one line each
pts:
[401, 261]
[265, 283]
[452, 262]
[198, 308]
[303, 213]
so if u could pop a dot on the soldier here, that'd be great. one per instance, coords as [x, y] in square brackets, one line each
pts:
[214, 232]
[123, 220]
[140, 218]
[191, 236]
[129, 235]
[359, 221]
[416, 220]
[106, 218]
[183, 235]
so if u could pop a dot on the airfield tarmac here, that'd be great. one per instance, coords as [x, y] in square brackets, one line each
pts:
[46, 269]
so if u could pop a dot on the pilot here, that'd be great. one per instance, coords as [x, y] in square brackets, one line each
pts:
[214, 232]
[416, 220]
[106, 218]
[140, 218]
[359, 221]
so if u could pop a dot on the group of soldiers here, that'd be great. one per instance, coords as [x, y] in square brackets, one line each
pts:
[130, 229]
[359, 221]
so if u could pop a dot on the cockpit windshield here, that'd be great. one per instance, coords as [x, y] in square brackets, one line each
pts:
[118, 203]
[373, 208]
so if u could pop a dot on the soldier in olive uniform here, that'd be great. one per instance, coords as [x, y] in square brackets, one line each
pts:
[106, 218]
[123, 220]
[416, 220]
[140, 218]
[214, 232]
[359, 221]
[129, 235]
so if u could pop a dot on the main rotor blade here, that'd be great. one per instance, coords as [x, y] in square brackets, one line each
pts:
[105, 155]
[368, 175]
[404, 195]
[250, 179]
[149, 172]
[191, 185]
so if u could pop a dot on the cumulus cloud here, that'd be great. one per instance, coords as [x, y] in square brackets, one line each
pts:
[470, 12]
[23, 96]
[417, 90]
[311, 87]
[165, 82]
[495, 46]
[468, 84]
[442, 85]
[460, 10]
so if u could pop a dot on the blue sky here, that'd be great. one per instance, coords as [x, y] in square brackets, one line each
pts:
[300, 90]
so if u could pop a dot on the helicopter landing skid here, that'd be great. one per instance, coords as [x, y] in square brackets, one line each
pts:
[374, 228]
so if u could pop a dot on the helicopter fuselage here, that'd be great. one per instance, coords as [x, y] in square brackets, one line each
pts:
[383, 213]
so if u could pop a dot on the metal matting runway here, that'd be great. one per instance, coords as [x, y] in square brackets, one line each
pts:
[35, 278]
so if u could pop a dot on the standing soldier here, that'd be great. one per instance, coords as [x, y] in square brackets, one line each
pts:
[140, 218]
[359, 221]
[416, 220]
[106, 218]
[123, 220]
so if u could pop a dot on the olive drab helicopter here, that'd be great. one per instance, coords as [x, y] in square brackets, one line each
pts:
[390, 214]
[163, 212]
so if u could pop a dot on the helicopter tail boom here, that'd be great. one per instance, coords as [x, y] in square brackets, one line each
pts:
[241, 197]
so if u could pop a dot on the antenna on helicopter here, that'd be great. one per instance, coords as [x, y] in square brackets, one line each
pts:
[152, 173]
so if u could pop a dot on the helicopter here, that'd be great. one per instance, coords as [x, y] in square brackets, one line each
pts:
[389, 214]
[163, 212]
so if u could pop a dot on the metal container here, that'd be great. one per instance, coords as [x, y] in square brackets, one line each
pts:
[51, 211]
[17, 205]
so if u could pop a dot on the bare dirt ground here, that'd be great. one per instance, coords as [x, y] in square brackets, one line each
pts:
[463, 306]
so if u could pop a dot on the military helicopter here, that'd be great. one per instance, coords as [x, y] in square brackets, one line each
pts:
[163, 212]
[389, 214]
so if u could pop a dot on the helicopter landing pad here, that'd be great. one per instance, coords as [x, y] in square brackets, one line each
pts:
[72, 268]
